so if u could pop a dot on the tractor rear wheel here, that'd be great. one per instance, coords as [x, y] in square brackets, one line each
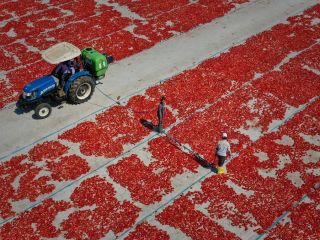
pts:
[81, 90]
[43, 110]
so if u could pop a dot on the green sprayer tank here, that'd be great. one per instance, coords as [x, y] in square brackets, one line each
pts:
[95, 62]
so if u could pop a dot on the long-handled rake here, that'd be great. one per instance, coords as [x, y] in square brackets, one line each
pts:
[203, 162]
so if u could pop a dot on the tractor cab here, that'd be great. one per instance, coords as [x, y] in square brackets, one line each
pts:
[66, 58]
[91, 60]
[74, 77]
[60, 52]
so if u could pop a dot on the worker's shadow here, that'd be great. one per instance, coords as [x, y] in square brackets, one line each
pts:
[149, 125]
[204, 163]
[200, 160]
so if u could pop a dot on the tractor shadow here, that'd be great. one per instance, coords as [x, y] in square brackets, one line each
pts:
[200, 160]
[20, 111]
[58, 104]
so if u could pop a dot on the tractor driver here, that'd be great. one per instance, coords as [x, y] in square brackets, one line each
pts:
[63, 71]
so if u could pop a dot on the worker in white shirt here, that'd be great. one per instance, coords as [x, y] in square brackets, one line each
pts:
[222, 149]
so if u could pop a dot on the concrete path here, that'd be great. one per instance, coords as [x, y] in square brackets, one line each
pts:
[138, 72]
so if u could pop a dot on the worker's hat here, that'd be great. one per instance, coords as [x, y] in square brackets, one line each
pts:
[224, 135]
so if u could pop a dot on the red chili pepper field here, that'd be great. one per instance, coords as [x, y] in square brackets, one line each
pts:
[107, 176]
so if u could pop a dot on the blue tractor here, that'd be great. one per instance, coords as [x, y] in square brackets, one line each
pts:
[73, 79]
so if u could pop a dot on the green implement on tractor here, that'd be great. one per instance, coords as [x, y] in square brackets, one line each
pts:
[95, 62]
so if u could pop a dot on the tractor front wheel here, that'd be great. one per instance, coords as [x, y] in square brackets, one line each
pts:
[81, 90]
[43, 110]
